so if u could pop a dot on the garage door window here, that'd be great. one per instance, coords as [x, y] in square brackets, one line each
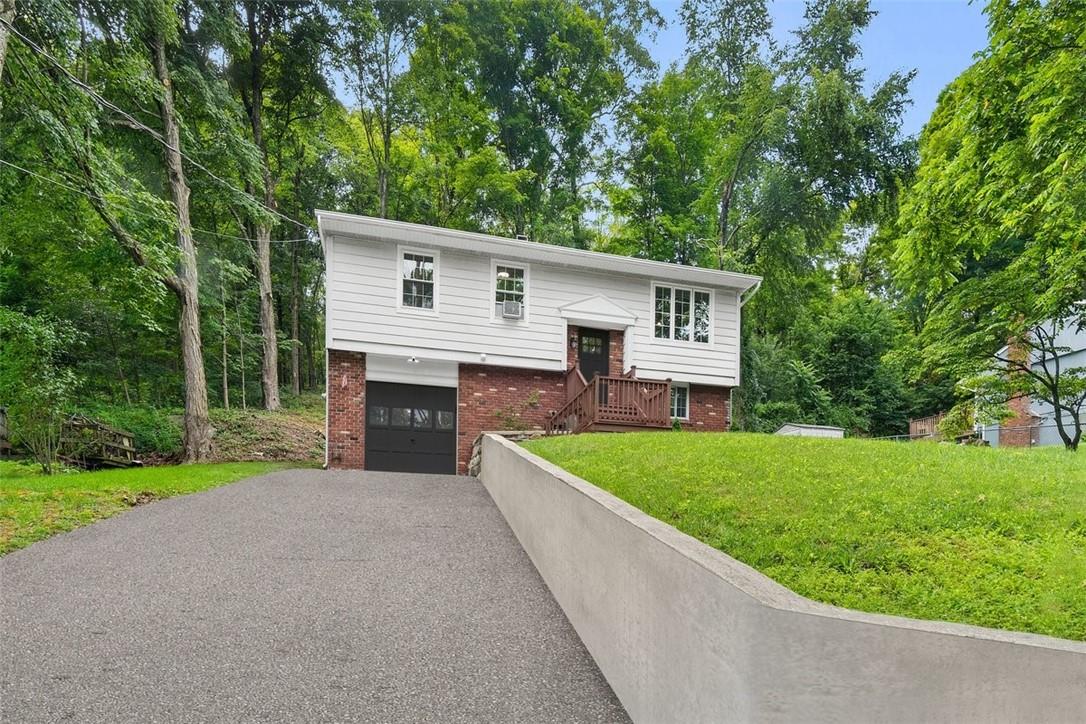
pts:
[421, 419]
[378, 416]
[446, 420]
[401, 417]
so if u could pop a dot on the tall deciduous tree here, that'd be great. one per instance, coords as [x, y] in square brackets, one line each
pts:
[377, 41]
[7, 17]
[74, 113]
[263, 23]
[992, 228]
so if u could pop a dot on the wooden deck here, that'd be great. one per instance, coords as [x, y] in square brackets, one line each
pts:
[612, 404]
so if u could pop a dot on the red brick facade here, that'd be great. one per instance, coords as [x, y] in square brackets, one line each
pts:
[502, 398]
[346, 409]
[616, 349]
[488, 398]
[710, 409]
[1017, 431]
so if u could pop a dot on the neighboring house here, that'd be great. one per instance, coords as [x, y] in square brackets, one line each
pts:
[436, 335]
[1034, 421]
[795, 429]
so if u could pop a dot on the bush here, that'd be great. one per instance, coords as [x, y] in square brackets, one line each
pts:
[34, 383]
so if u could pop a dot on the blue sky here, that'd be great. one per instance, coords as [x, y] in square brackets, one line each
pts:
[936, 37]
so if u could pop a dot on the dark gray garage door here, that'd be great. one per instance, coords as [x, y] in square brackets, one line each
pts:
[410, 428]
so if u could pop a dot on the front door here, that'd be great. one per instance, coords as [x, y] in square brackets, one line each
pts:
[410, 428]
[593, 348]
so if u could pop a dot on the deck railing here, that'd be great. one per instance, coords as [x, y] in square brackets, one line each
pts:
[926, 426]
[575, 382]
[614, 402]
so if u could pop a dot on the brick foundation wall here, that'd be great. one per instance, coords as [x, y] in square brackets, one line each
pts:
[489, 396]
[710, 409]
[346, 409]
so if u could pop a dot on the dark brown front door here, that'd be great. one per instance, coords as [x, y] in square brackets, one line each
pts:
[592, 352]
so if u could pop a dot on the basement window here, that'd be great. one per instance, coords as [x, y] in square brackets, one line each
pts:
[680, 401]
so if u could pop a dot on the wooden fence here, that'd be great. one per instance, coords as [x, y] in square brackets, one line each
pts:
[926, 427]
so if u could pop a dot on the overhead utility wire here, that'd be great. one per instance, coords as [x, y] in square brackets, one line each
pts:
[89, 90]
[137, 212]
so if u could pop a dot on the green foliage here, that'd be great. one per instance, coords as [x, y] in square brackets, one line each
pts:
[991, 537]
[837, 370]
[156, 431]
[34, 507]
[549, 118]
[991, 230]
[511, 416]
[35, 385]
[958, 421]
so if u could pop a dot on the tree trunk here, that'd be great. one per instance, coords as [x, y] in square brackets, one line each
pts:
[7, 15]
[295, 343]
[197, 424]
[225, 358]
[310, 374]
[722, 222]
[241, 353]
[269, 370]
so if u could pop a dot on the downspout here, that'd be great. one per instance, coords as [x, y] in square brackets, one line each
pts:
[744, 297]
[327, 337]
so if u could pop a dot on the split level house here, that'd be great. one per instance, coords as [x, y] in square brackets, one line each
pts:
[435, 335]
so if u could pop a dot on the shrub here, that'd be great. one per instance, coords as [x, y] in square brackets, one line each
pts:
[36, 388]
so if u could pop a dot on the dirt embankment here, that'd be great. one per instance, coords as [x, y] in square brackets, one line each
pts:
[285, 435]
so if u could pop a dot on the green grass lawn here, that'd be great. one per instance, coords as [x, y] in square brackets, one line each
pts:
[976, 535]
[35, 506]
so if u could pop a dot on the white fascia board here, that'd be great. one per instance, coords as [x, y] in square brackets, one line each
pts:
[334, 222]
[648, 373]
[548, 364]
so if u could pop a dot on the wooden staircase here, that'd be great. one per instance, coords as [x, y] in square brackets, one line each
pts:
[612, 404]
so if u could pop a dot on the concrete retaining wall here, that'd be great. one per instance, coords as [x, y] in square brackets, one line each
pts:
[685, 633]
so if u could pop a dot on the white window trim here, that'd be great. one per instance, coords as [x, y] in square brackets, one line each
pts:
[494, 316]
[685, 386]
[400, 251]
[671, 331]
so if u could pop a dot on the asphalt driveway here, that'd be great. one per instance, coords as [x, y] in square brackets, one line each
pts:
[296, 596]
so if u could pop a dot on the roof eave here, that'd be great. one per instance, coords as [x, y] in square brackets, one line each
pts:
[365, 226]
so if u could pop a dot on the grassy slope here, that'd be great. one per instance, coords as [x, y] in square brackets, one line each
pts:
[988, 537]
[33, 506]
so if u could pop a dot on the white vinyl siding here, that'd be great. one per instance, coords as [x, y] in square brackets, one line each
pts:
[364, 279]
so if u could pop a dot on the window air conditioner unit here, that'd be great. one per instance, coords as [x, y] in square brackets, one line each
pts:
[512, 310]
